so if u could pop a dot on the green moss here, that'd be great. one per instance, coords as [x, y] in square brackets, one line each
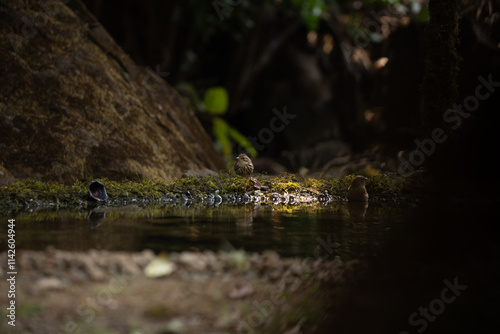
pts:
[338, 187]
[154, 189]
[230, 183]
[387, 186]
[29, 190]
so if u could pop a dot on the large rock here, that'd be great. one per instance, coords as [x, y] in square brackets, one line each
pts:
[73, 105]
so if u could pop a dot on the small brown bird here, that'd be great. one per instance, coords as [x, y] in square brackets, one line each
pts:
[243, 166]
[357, 190]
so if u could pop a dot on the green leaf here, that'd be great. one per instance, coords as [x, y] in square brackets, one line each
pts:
[220, 129]
[243, 141]
[216, 100]
[424, 16]
[310, 11]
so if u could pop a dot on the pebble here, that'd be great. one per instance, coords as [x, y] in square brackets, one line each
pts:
[193, 260]
[48, 283]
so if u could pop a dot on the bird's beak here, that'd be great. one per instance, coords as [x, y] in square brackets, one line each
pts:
[237, 158]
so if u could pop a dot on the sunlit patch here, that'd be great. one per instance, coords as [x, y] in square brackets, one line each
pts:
[328, 43]
[312, 38]
[380, 63]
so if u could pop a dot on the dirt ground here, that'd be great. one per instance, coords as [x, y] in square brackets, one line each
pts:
[116, 292]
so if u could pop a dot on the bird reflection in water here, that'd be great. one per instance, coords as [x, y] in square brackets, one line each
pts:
[244, 221]
[357, 210]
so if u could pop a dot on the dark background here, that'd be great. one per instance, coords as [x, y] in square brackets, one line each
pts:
[344, 98]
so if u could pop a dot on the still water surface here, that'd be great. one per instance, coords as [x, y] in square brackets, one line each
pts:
[351, 231]
[412, 250]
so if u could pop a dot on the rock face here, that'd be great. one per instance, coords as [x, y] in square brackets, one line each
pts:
[73, 105]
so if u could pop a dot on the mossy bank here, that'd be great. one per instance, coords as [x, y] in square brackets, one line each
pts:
[284, 189]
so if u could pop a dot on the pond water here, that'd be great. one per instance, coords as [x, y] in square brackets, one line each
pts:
[339, 228]
[414, 251]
